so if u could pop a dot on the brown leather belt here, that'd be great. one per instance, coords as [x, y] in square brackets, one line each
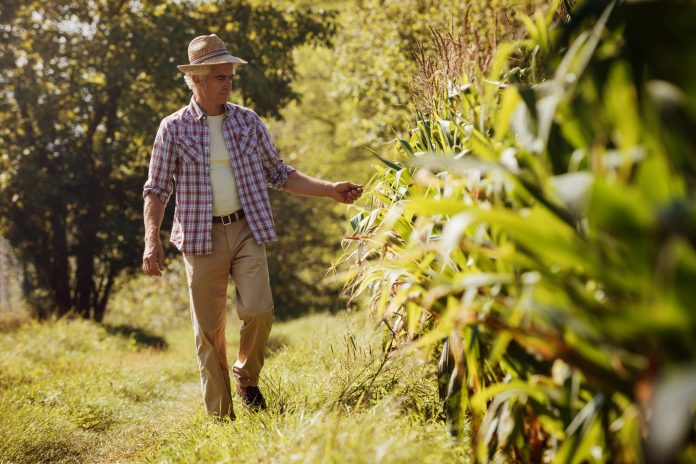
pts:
[229, 218]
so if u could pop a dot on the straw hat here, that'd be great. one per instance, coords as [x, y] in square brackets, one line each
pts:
[206, 50]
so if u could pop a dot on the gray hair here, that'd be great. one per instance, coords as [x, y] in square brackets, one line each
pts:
[202, 71]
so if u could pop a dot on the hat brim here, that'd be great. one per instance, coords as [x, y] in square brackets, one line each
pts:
[214, 60]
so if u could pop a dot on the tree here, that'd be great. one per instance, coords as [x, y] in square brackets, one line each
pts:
[84, 84]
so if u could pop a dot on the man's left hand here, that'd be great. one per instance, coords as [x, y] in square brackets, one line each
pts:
[346, 192]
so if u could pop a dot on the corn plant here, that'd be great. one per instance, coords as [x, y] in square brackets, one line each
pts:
[542, 237]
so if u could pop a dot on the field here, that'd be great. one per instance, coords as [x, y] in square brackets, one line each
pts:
[77, 391]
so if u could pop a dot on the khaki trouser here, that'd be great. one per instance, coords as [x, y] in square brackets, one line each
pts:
[235, 253]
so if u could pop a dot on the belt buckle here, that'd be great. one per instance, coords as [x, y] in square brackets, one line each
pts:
[229, 220]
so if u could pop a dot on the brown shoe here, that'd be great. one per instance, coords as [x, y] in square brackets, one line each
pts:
[251, 398]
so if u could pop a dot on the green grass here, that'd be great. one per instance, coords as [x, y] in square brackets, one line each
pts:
[71, 391]
[329, 402]
[77, 391]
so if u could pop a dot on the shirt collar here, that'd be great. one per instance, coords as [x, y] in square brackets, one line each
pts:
[196, 110]
[199, 114]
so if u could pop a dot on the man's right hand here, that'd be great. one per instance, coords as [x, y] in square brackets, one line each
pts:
[153, 259]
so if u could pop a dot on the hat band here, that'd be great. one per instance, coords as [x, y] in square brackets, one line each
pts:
[210, 55]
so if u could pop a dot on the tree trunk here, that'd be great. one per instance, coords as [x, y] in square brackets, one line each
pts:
[60, 271]
[85, 255]
[102, 296]
[87, 300]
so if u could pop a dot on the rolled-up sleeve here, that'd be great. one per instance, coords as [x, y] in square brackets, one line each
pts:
[162, 164]
[275, 170]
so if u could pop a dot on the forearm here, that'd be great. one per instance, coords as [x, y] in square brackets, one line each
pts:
[153, 214]
[302, 184]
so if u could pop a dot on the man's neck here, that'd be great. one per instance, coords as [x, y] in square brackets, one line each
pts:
[209, 108]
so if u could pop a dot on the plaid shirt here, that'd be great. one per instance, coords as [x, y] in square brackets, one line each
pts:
[181, 161]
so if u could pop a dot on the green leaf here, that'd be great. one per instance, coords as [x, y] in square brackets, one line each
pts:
[622, 107]
[620, 210]
[656, 181]
[509, 101]
[406, 146]
[390, 164]
[481, 146]
[430, 206]
[414, 313]
[541, 233]
[582, 434]
[355, 220]
[512, 389]
[529, 98]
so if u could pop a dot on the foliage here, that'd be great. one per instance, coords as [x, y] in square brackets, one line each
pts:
[353, 94]
[84, 86]
[547, 232]
[155, 305]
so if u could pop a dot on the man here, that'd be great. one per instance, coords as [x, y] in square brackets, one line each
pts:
[220, 159]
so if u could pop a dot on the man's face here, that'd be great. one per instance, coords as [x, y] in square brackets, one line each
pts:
[215, 87]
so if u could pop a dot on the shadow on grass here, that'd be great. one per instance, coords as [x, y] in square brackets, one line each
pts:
[276, 344]
[12, 320]
[50, 450]
[140, 337]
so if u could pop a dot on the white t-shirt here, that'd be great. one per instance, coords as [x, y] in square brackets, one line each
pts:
[222, 180]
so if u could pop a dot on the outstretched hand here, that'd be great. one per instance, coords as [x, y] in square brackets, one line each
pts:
[346, 192]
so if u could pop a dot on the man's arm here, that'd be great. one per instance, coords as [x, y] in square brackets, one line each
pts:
[282, 177]
[302, 184]
[153, 257]
[156, 193]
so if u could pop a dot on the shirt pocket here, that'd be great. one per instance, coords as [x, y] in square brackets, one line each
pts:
[238, 138]
[190, 150]
[245, 139]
